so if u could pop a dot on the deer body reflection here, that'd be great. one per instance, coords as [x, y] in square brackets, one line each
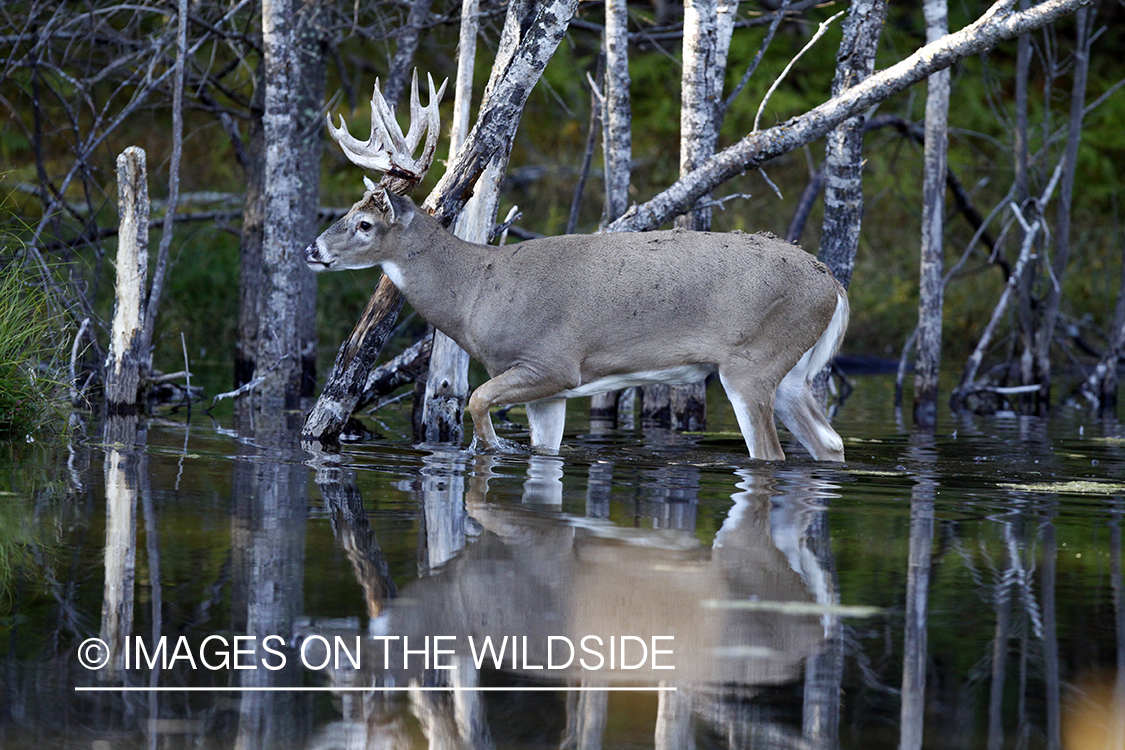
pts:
[540, 579]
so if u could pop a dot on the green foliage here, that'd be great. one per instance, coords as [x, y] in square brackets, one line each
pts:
[28, 393]
[29, 401]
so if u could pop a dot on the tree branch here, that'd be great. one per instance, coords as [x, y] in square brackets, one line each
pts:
[997, 25]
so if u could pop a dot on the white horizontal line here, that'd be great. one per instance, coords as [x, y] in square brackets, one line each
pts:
[400, 689]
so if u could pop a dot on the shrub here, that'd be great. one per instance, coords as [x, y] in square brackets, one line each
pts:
[29, 395]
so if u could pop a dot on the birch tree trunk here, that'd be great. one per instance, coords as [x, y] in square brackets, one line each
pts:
[278, 351]
[617, 152]
[843, 160]
[447, 385]
[708, 25]
[930, 285]
[277, 315]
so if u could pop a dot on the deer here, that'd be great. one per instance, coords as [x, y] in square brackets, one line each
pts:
[562, 317]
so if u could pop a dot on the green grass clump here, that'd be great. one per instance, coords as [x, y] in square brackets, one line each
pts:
[29, 401]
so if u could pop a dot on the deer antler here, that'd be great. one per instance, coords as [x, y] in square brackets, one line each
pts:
[387, 149]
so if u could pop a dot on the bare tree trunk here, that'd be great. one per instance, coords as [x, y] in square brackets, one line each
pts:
[931, 286]
[277, 298]
[708, 25]
[127, 353]
[1022, 164]
[156, 292]
[617, 149]
[447, 385]
[1045, 334]
[618, 117]
[279, 350]
[843, 160]
[250, 244]
[311, 66]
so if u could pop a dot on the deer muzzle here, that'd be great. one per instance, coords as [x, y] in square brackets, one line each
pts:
[316, 255]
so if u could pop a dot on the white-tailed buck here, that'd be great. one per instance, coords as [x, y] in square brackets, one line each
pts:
[576, 315]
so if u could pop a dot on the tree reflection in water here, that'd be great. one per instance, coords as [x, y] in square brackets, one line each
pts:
[1001, 634]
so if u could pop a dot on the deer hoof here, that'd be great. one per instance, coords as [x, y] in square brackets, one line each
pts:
[501, 446]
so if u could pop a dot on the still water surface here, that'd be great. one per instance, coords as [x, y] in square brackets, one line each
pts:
[959, 590]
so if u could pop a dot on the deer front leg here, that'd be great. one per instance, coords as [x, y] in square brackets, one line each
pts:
[752, 398]
[516, 386]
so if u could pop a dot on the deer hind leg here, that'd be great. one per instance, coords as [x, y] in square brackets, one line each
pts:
[515, 386]
[752, 399]
[800, 412]
[546, 419]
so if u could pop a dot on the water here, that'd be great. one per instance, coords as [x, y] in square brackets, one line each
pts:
[959, 590]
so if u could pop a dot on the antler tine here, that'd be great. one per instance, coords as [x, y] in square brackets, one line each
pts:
[417, 122]
[368, 155]
[387, 149]
[383, 120]
[422, 119]
[433, 123]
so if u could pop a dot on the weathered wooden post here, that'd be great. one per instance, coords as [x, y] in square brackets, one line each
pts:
[127, 359]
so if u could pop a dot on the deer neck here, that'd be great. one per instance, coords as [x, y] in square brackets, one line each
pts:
[436, 272]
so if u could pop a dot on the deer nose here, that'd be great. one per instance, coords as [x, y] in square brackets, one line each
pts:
[310, 253]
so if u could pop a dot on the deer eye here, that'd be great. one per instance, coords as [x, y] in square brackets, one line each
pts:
[364, 226]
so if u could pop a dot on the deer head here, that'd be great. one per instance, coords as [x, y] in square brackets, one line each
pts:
[359, 240]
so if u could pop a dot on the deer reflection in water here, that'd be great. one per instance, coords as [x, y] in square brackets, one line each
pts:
[531, 576]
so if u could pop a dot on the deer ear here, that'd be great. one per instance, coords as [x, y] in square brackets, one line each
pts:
[382, 200]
